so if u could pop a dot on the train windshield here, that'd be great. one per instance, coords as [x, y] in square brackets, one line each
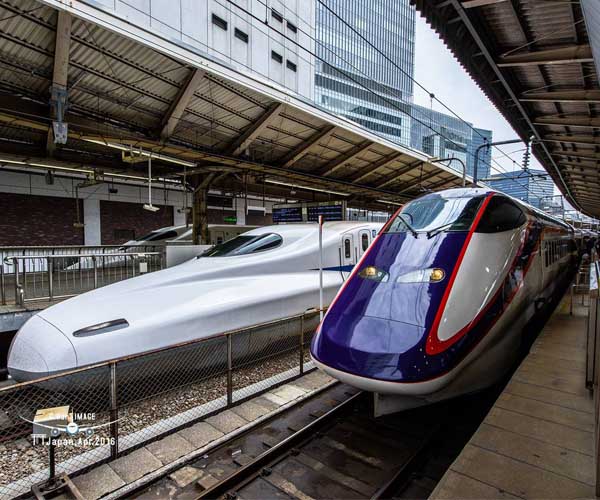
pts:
[436, 212]
[244, 245]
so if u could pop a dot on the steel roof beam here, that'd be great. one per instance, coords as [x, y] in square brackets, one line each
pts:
[566, 96]
[381, 163]
[583, 166]
[568, 121]
[575, 154]
[302, 149]
[396, 175]
[421, 179]
[583, 140]
[563, 55]
[334, 165]
[60, 72]
[471, 4]
[254, 130]
[180, 103]
[442, 183]
[511, 93]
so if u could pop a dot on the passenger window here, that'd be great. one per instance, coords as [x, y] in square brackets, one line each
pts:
[365, 241]
[500, 215]
[347, 249]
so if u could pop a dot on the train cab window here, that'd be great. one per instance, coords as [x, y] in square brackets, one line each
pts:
[436, 212]
[500, 215]
[347, 248]
[244, 245]
[364, 241]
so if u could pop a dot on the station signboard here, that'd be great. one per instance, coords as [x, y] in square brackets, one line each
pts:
[309, 211]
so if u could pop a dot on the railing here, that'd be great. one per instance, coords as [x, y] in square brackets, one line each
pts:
[144, 397]
[48, 273]
[592, 366]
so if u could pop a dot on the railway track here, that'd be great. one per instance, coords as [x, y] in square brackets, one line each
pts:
[330, 447]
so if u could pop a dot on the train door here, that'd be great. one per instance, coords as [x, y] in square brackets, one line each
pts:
[348, 255]
[364, 240]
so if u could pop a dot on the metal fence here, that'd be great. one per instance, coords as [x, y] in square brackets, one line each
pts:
[140, 398]
[592, 368]
[48, 273]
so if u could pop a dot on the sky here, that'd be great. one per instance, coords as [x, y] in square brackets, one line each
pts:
[439, 72]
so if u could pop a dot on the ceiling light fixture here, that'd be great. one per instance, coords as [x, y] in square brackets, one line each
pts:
[281, 183]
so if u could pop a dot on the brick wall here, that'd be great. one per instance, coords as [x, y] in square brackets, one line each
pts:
[38, 220]
[117, 219]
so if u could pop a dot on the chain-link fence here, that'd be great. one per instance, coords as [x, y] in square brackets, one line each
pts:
[130, 401]
[48, 273]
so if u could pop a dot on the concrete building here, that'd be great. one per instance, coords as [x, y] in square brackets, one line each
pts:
[531, 186]
[35, 212]
[271, 39]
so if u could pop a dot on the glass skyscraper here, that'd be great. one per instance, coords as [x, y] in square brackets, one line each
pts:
[530, 186]
[355, 42]
[365, 64]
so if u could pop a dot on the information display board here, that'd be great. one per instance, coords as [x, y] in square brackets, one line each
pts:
[287, 214]
[309, 211]
[334, 211]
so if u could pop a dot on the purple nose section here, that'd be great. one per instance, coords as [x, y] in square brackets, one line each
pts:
[378, 329]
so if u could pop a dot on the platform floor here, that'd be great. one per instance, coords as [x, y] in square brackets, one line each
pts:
[537, 440]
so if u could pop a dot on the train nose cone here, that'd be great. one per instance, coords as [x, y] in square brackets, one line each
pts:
[369, 347]
[39, 349]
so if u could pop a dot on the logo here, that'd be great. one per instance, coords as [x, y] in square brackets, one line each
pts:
[49, 424]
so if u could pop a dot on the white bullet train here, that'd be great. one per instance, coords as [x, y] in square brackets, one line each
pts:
[265, 274]
[436, 307]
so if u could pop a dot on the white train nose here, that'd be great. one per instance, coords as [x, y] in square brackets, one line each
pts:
[39, 349]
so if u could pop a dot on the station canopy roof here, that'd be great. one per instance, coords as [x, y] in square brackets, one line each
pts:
[125, 97]
[537, 61]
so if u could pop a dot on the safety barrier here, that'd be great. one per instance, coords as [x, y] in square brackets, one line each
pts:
[49, 273]
[592, 368]
[130, 401]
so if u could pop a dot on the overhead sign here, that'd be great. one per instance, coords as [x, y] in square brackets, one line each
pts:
[285, 214]
[309, 211]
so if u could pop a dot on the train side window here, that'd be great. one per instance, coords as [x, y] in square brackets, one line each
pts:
[365, 241]
[347, 249]
[501, 215]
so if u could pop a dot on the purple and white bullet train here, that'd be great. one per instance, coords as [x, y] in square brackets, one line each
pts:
[437, 305]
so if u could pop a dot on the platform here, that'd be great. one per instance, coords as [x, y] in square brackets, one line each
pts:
[537, 440]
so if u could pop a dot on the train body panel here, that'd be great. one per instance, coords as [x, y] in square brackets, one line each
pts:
[442, 295]
[217, 292]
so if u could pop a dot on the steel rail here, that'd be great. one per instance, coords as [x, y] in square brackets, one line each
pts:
[253, 469]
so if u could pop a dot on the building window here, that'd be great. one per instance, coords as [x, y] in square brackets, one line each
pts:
[292, 27]
[276, 57]
[219, 21]
[276, 15]
[290, 65]
[241, 35]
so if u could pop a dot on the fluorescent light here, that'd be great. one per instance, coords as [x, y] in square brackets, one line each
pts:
[295, 185]
[142, 152]
[87, 171]
[151, 208]
[388, 202]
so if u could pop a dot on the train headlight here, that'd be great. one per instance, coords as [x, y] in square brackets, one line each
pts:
[431, 275]
[373, 273]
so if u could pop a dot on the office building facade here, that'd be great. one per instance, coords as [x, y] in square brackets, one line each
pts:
[359, 47]
[531, 186]
[364, 66]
